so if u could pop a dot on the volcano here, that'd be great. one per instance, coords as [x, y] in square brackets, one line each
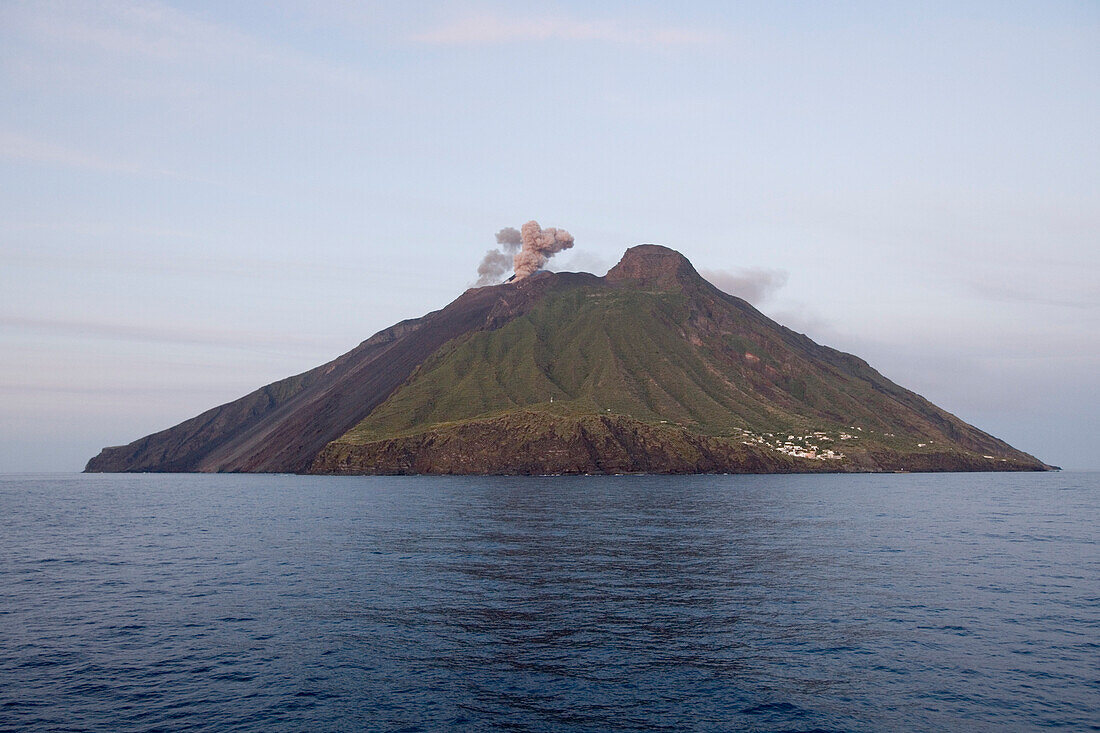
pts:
[649, 369]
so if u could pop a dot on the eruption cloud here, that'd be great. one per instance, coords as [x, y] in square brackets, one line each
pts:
[492, 268]
[539, 245]
[529, 248]
[510, 239]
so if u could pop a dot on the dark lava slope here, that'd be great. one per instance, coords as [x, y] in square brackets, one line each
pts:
[280, 428]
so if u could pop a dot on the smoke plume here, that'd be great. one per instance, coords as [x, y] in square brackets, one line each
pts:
[510, 239]
[539, 245]
[753, 284]
[492, 267]
[526, 251]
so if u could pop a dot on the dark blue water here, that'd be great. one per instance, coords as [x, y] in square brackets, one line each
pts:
[266, 603]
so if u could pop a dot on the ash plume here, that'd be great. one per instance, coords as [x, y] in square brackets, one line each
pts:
[492, 267]
[510, 239]
[753, 284]
[526, 251]
[539, 245]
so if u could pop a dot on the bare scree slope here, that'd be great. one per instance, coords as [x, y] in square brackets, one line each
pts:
[648, 369]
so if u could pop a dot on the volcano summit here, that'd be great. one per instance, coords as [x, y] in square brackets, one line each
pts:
[648, 369]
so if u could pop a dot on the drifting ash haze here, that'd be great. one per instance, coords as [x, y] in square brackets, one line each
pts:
[755, 285]
[535, 244]
[492, 267]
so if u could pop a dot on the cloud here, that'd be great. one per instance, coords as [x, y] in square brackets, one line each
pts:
[15, 146]
[151, 49]
[155, 258]
[494, 29]
[753, 284]
[109, 391]
[1037, 293]
[119, 331]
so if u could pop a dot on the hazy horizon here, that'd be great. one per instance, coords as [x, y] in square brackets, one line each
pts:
[202, 199]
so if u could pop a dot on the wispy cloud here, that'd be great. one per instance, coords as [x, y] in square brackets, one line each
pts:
[1087, 298]
[156, 259]
[496, 29]
[16, 146]
[121, 331]
[151, 49]
[32, 149]
[108, 391]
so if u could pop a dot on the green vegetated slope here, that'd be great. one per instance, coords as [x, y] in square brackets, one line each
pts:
[675, 377]
[589, 350]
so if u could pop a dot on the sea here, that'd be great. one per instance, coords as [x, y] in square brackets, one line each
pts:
[879, 602]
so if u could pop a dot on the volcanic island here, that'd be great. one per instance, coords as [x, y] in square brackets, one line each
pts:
[648, 369]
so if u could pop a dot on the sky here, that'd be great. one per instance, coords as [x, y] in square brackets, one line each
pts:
[202, 198]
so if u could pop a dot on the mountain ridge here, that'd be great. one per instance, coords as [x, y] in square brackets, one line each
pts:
[682, 376]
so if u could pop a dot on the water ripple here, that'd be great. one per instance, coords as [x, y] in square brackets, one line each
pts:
[796, 603]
